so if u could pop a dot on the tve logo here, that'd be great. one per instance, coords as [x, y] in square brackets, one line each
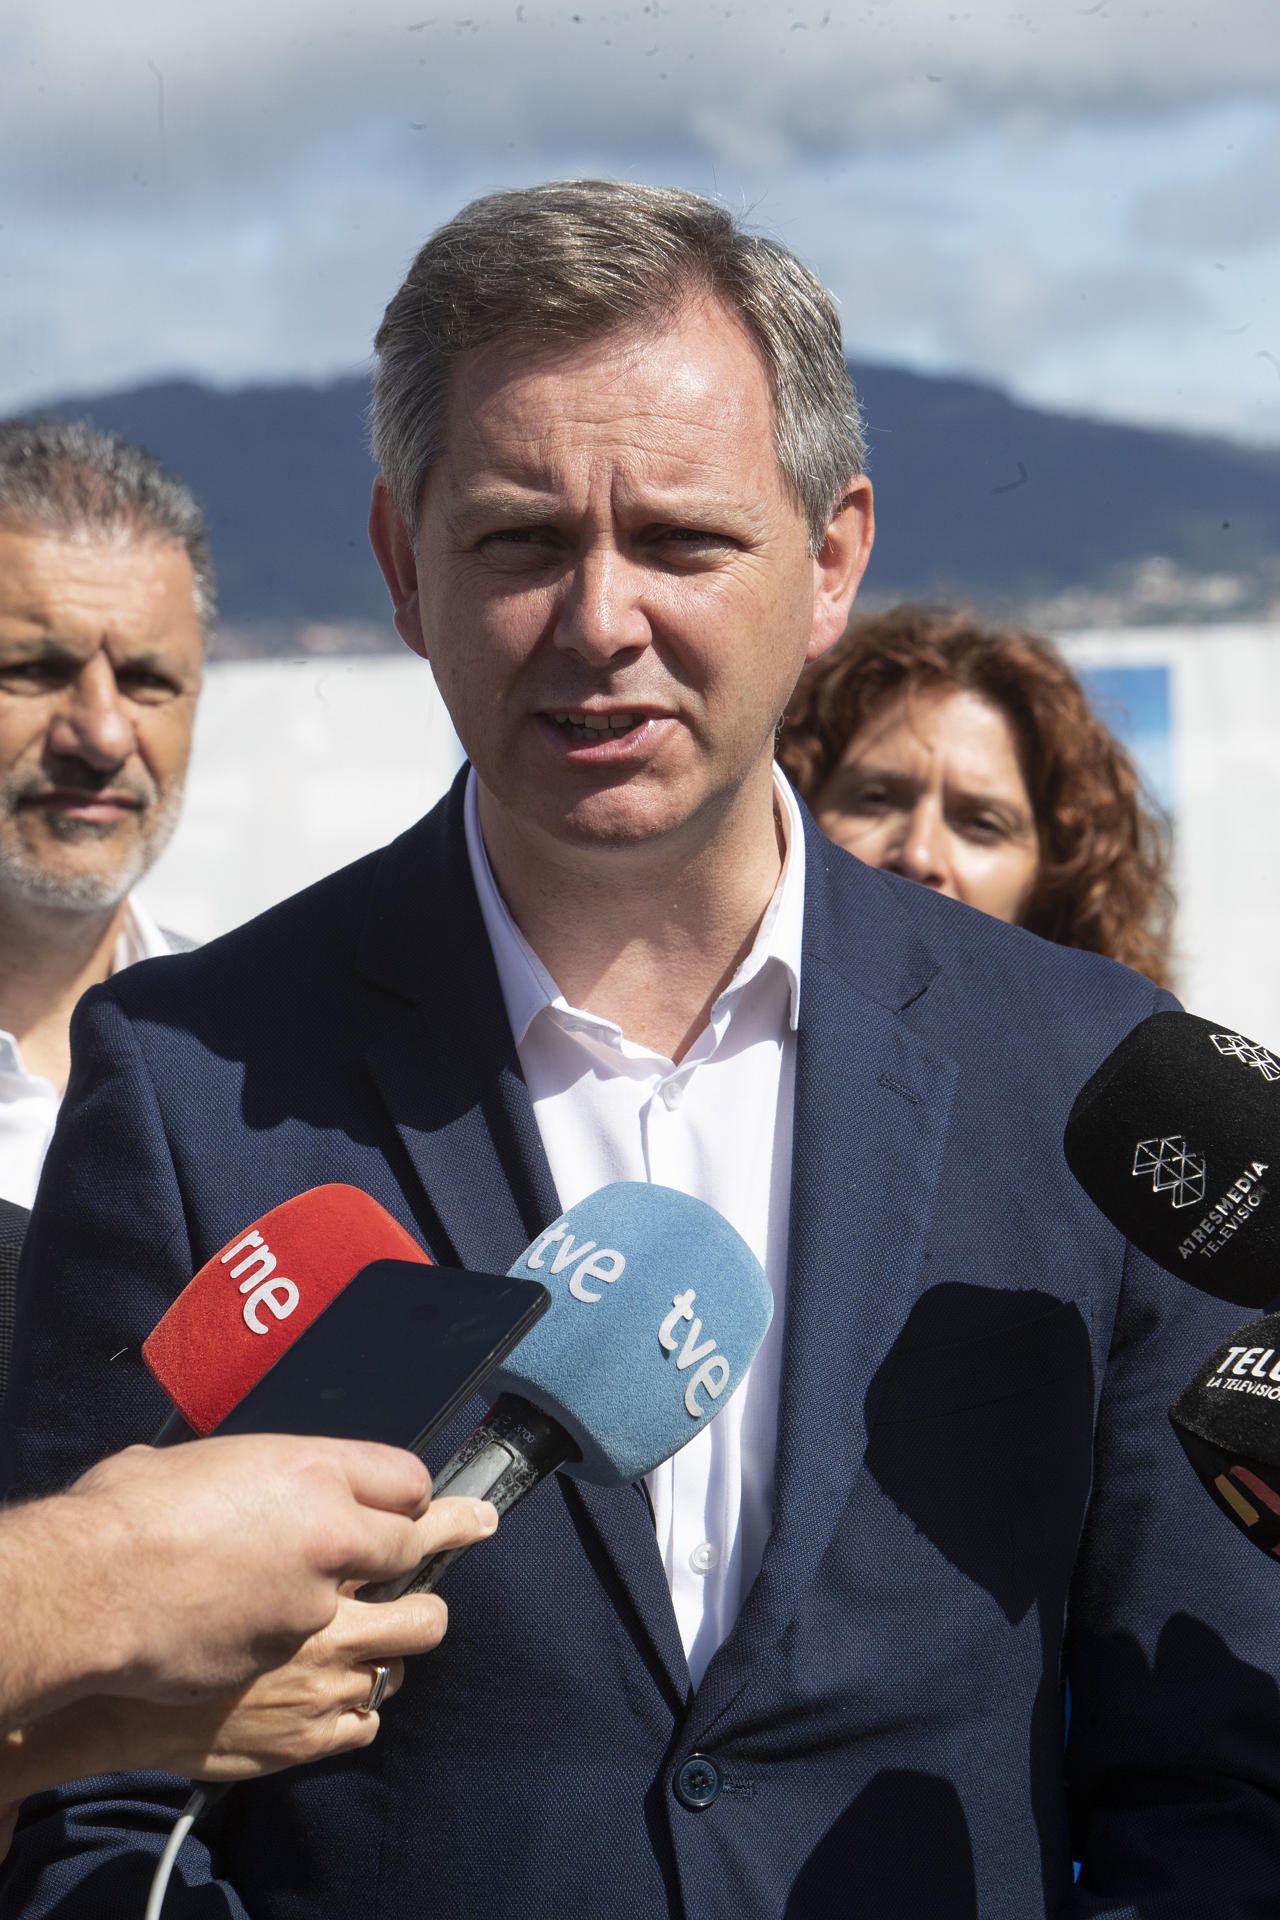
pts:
[641, 1278]
[713, 1374]
[588, 1261]
[278, 1295]
[591, 1265]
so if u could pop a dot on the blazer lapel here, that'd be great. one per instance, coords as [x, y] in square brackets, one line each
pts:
[872, 1103]
[447, 1068]
[450, 1078]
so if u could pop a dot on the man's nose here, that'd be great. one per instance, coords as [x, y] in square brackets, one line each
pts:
[921, 852]
[601, 616]
[92, 722]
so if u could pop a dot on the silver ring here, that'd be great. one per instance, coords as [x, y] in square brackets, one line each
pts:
[377, 1693]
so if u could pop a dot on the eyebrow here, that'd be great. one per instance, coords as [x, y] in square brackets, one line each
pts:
[893, 777]
[47, 647]
[543, 506]
[43, 645]
[509, 501]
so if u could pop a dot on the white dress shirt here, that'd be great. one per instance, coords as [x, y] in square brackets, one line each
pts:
[718, 1126]
[28, 1102]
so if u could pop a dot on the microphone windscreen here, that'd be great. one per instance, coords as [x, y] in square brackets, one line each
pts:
[1173, 1138]
[250, 1302]
[1228, 1420]
[657, 1309]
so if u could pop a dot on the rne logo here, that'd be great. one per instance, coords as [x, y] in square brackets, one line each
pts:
[278, 1295]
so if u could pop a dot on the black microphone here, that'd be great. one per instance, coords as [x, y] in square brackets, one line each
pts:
[1228, 1420]
[1173, 1139]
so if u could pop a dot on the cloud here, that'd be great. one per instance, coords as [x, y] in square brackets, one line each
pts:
[96, 99]
[1023, 192]
[1235, 210]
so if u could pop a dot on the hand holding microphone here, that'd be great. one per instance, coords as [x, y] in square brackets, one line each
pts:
[656, 1310]
[214, 1561]
[325, 1314]
[141, 1604]
[185, 1609]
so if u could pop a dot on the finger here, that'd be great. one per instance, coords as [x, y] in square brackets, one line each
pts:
[363, 1681]
[381, 1630]
[386, 1545]
[386, 1478]
[351, 1731]
[455, 1521]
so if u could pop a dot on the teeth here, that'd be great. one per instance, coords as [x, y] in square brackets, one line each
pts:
[585, 726]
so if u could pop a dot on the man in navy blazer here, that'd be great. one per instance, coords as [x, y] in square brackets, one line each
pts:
[620, 505]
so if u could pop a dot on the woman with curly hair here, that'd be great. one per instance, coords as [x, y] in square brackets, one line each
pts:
[968, 758]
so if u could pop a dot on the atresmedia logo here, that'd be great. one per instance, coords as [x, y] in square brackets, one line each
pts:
[1172, 1168]
[1234, 1046]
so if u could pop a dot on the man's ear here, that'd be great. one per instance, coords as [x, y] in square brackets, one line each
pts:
[393, 551]
[838, 569]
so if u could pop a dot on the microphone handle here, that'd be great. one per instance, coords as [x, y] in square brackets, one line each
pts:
[513, 1449]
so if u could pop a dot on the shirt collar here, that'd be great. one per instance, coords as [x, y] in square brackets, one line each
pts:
[139, 937]
[526, 985]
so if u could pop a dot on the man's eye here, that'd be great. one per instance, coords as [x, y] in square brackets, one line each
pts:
[516, 537]
[27, 676]
[691, 540]
[141, 684]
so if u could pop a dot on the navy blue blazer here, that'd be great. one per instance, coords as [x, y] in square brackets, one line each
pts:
[979, 1498]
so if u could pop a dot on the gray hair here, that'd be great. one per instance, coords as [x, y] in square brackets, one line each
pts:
[579, 259]
[66, 477]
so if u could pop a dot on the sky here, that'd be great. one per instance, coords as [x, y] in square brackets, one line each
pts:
[1077, 202]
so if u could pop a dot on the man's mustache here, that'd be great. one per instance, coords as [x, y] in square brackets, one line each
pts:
[76, 777]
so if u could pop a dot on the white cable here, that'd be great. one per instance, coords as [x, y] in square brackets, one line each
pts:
[164, 1866]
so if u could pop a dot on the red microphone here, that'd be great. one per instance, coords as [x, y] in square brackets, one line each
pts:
[252, 1300]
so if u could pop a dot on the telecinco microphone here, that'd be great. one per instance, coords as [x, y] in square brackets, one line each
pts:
[657, 1310]
[1174, 1138]
[1228, 1420]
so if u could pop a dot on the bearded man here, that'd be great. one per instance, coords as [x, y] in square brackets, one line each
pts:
[106, 592]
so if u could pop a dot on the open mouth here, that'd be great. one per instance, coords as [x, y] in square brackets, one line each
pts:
[597, 726]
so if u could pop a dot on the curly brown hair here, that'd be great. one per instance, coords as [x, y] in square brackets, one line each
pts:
[1102, 883]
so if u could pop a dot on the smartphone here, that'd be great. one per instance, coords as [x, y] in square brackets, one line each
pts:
[394, 1356]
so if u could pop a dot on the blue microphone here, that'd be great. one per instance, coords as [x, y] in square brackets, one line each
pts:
[658, 1307]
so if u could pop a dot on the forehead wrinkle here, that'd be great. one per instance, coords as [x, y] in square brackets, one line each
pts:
[529, 446]
[656, 481]
[696, 408]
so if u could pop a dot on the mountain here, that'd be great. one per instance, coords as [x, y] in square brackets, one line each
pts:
[978, 497]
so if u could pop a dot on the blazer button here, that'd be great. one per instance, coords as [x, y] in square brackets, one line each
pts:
[698, 1782]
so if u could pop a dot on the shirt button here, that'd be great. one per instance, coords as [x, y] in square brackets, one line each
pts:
[672, 1093]
[705, 1556]
[698, 1782]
